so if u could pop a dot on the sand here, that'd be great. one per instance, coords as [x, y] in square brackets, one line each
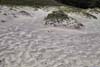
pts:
[26, 42]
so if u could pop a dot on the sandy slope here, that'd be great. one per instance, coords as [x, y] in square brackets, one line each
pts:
[26, 42]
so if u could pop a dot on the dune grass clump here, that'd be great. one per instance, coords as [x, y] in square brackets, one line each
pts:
[61, 19]
[94, 10]
[88, 13]
[56, 17]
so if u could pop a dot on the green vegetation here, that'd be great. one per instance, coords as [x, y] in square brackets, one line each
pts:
[30, 2]
[82, 3]
[75, 3]
[88, 13]
[56, 17]
[59, 18]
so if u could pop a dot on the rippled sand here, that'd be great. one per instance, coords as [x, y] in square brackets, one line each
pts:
[26, 42]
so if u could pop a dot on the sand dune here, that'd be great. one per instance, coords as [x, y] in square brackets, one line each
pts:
[26, 42]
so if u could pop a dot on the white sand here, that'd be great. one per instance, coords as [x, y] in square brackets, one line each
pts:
[26, 42]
